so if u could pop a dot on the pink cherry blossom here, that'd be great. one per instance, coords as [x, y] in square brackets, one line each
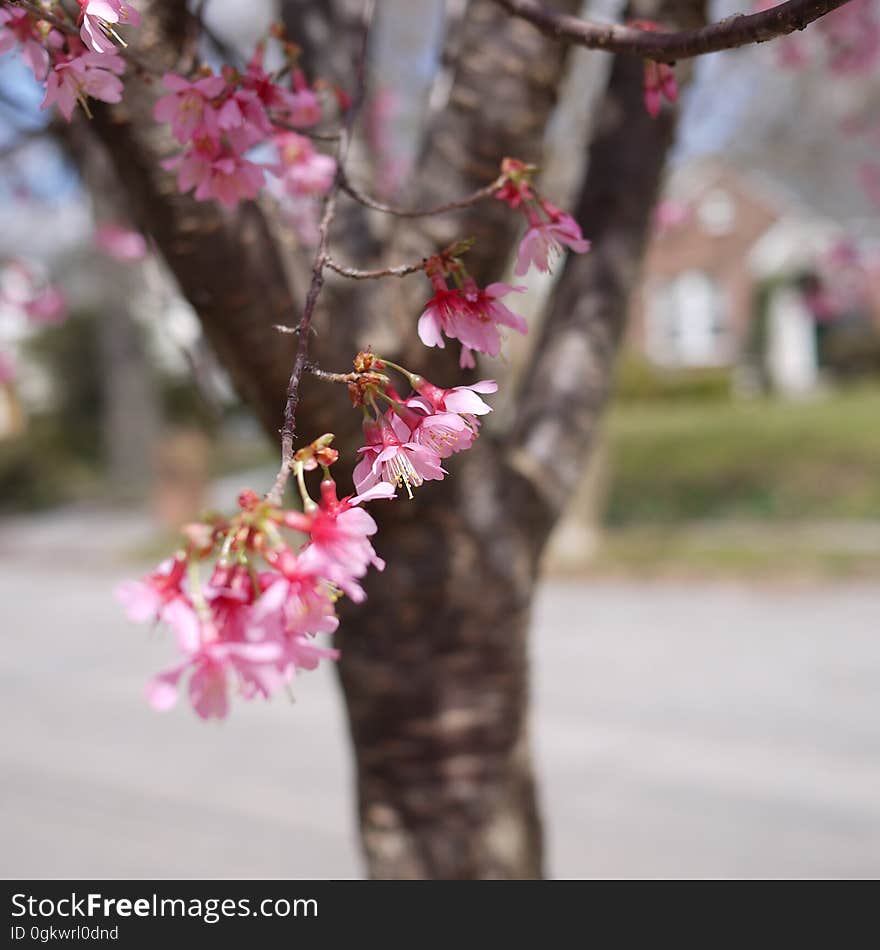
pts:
[91, 75]
[242, 118]
[466, 359]
[477, 328]
[16, 26]
[298, 107]
[302, 169]
[216, 665]
[461, 399]
[437, 317]
[297, 602]
[144, 601]
[546, 240]
[290, 613]
[392, 455]
[98, 19]
[516, 190]
[660, 84]
[47, 306]
[187, 107]
[470, 315]
[659, 81]
[122, 244]
[445, 433]
[339, 530]
[304, 110]
[216, 172]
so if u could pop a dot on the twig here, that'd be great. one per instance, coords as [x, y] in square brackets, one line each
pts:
[732, 32]
[288, 429]
[319, 373]
[402, 270]
[479, 195]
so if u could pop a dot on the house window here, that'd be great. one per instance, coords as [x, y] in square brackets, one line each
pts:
[686, 322]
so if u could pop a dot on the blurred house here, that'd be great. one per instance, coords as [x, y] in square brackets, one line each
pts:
[720, 240]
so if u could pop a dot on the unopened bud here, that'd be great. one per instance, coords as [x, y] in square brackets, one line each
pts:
[326, 456]
[364, 361]
[248, 499]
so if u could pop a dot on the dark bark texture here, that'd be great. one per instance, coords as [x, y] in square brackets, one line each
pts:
[435, 666]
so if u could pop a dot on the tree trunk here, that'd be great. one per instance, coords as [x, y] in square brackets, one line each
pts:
[436, 675]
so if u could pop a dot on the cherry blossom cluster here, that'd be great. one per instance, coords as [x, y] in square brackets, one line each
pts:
[408, 437]
[549, 230]
[74, 66]
[473, 315]
[247, 596]
[465, 312]
[221, 118]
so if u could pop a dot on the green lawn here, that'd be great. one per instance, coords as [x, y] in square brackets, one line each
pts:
[675, 462]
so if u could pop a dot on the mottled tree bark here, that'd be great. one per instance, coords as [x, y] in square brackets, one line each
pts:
[434, 667]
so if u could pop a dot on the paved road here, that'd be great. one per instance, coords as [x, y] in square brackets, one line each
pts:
[681, 731]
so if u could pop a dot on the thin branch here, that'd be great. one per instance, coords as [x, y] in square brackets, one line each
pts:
[35, 10]
[487, 191]
[322, 256]
[319, 373]
[402, 270]
[739, 30]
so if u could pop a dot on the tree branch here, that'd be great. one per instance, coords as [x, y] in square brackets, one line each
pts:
[739, 30]
[321, 261]
[487, 191]
[401, 270]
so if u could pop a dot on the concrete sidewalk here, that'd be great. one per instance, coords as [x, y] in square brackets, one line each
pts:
[681, 731]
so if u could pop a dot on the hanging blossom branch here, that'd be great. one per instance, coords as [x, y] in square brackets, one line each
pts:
[320, 262]
[276, 572]
[730, 33]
